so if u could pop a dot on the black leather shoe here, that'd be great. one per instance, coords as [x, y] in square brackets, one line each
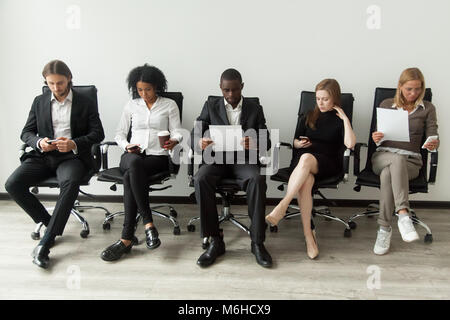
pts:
[215, 249]
[115, 251]
[40, 256]
[151, 238]
[262, 256]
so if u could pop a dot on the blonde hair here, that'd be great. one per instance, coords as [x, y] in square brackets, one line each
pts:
[334, 90]
[409, 74]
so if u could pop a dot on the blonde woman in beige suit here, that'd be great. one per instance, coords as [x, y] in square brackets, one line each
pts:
[398, 162]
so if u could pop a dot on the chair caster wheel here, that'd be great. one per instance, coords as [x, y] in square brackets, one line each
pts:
[173, 213]
[273, 228]
[135, 241]
[107, 226]
[84, 234]
[348, 233]
[352, 225]
[35, 235]
[205, 245]
[428, 238]
[176, 231]
[191, 228]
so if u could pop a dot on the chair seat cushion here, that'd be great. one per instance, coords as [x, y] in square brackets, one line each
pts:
[52, 182]
[283, 175]
[227, 184]
[369, 179]
[115, 175]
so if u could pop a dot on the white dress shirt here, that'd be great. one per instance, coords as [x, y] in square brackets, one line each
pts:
[234, 115]
[61, 112]
[61, 116]
[145, 124]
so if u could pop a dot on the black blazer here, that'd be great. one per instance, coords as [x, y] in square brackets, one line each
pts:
[214, 113]
[85, 125]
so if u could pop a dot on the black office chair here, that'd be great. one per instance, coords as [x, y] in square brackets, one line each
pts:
[115, 176]
[307, 103]
[228, 189]
[367, 178]
[91, 92]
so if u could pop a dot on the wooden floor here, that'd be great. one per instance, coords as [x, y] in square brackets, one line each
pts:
[345, 269]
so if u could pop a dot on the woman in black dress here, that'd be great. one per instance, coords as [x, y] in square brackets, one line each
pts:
[318, 144]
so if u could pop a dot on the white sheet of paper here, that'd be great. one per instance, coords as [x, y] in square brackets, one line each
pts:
[393, 124]
[226, 138]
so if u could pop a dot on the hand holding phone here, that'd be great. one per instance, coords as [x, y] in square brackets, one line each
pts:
[135, 148]
[303, 138]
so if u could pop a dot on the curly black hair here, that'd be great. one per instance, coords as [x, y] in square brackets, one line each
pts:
[231, 74]
[147, 74]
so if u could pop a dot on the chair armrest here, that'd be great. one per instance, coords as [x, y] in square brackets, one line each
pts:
[284, 144]
[433, 167]
[190, 165]
[357, 155]
[276, 154]
[104, 146]
[22, 149]
[346, 163]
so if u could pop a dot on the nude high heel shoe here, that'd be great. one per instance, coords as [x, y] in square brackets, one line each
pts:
[312, 251]
[274, 217]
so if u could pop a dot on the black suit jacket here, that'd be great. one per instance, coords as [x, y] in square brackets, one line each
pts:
[85, 125]
[214, 113]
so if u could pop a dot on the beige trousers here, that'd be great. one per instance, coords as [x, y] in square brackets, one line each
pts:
[395, 171]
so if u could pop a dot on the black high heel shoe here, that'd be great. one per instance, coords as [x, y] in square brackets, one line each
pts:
[115, 251]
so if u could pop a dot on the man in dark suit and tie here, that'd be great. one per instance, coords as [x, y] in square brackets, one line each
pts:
[231, 109]
[61, 128]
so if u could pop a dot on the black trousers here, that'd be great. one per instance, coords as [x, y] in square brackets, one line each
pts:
[69, 171]
[136, 169]
[249, 179]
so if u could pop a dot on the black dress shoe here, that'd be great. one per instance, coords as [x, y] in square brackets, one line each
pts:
[262, 256]
[215, 249]
[151, 238]
[40, 256]
[115, 251]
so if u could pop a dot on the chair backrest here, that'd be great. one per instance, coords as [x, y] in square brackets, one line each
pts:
[89, 91]
[380, 95]
[308, 103]
[254, 99]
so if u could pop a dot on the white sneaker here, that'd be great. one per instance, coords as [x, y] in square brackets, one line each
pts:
[407, 230]
[383, 242]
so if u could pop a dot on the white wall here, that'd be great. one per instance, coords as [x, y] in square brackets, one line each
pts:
[281, 47]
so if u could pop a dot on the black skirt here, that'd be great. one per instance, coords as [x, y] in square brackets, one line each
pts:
[328, 165]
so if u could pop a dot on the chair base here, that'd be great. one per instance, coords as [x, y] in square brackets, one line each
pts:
[171, 216]
[373, 210]
[225, 216]
[76, 212]
[36, 234]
